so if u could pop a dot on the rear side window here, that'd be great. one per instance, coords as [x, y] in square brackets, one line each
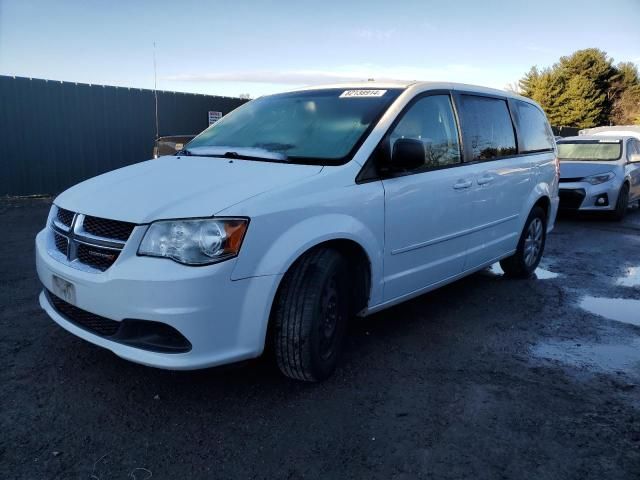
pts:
[535, 134]
[487, 128]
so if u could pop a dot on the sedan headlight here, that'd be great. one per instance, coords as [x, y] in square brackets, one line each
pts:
[194, 241]
[600, 178]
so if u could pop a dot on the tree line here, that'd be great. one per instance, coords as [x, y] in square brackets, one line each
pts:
[585, 89]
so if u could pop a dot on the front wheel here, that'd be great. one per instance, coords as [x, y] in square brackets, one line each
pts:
[530, 246]
[310, 315]
[622, 203]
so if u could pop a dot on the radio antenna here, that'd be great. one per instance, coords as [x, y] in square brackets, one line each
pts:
[155, 86]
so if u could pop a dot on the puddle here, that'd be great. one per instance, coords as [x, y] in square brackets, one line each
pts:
[541, 273]
[619, 309]
[606, 357]
[631, 278]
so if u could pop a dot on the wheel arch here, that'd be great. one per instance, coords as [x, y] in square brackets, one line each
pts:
[541, 196]
[544, 202]
[273, 253]
[358, 261]
[345, 232]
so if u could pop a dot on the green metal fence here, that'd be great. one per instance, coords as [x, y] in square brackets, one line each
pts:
[54, 134]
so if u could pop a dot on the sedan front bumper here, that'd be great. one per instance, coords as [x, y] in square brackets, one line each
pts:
[583, 196]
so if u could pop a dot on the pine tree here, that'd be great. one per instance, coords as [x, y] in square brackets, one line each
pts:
[582, 103]
[528, 84]
[585, 89]
[597, 71]
[547, 92]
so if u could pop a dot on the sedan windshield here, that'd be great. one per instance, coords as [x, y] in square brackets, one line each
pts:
[313, 126]
[597, 150]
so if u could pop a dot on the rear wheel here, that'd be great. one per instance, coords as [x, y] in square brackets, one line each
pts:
[310, 316]
[622, 203]
[530, 246]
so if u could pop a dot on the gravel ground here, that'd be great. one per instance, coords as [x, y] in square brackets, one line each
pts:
[485, 378]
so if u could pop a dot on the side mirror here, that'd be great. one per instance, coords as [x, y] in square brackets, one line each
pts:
[407, 154]
[634, 158]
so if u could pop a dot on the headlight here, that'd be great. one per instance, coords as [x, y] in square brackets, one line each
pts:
[601, 178]
[194, 241]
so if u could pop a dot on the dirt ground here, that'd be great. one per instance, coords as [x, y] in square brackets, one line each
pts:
[486, 378]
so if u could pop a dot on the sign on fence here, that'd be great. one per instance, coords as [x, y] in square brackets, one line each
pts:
[214, 117]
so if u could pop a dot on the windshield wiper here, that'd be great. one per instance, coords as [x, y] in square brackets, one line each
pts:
[241, 153]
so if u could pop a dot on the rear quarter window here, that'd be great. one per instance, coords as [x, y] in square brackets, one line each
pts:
[534, 130]
[487, 127]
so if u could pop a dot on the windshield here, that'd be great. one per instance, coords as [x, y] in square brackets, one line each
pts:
[314, 126]
[599, 150]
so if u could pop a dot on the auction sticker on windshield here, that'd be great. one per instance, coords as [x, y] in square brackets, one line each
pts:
[362, 93]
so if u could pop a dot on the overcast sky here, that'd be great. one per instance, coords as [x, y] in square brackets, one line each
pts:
[257, 47]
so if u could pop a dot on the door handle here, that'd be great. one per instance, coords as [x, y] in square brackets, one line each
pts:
[462, 184]
[485, 179]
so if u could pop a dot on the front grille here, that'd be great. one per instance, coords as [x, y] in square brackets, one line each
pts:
[570, 179]
[62, 243]
[571, 199]
[103, 227]
[96, 257]
[64, 216]
[89, 321]
[86, 240]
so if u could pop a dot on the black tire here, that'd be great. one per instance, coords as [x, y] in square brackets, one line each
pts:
[521, 264]
[310, 316]
[622, 203]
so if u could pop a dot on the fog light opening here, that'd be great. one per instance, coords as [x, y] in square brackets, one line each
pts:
[152, 336]
[602, 200]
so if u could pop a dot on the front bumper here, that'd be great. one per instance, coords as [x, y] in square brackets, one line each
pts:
[583, 196]
[225, 321]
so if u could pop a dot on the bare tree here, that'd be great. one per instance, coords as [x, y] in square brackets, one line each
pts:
[513, 87]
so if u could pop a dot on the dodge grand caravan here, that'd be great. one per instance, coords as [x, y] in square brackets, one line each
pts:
[294, 213]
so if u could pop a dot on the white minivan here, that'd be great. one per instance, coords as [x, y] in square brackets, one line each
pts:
[294, 213]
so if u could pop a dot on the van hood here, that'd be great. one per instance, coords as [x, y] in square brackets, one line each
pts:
[172, 187]
[577, 169]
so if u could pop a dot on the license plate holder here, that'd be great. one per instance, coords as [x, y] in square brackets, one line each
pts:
[64, 289]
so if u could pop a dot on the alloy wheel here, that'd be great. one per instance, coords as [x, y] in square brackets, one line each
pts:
[533, 242]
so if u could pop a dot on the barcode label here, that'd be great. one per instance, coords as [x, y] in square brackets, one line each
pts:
[362, 93]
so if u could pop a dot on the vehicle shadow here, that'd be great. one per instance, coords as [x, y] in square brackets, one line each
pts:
[633, 213]
[421, 327]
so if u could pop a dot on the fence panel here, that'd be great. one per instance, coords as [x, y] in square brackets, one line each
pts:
[55, 134]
